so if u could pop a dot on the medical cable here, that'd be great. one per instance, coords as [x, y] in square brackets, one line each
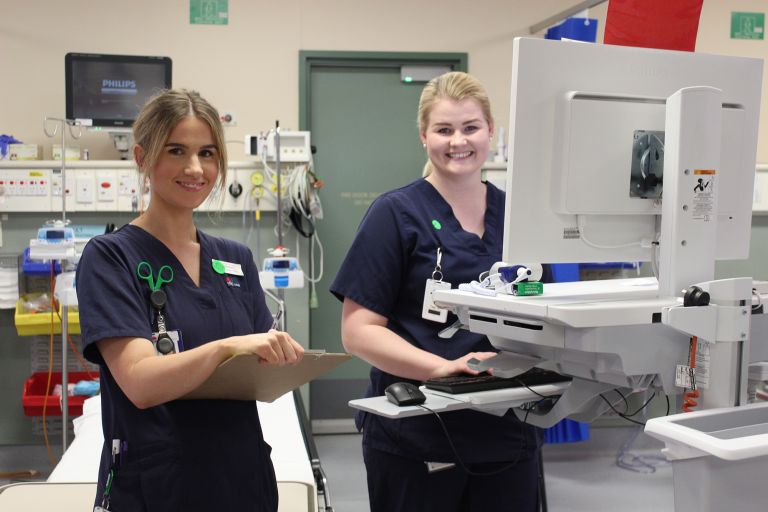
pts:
[619, 413]
[311, 277]
[625, 459]
[531, 406]
[624, 398]
[254, 222]
[483, 287]
[460, 462]
[314, 240]
[759, 300]
[50, 374]
[690, 397]
[79, 357]
[625, 414]
[640, 409]
[303, 186]
[304, 209]
[655, 256]
[50, 367]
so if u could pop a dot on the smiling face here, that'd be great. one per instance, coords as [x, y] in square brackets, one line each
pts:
[187, 167]
[457, 137]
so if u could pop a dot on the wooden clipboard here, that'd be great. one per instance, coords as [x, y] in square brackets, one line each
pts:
[245, 378]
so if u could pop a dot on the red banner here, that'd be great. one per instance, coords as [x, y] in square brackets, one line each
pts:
[665, 24]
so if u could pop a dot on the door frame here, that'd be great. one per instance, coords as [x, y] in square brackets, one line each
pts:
[309, 59]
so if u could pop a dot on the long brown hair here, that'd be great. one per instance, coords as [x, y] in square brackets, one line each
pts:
[159, 117]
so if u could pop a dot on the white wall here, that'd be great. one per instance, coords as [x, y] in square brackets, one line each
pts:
[250, 66]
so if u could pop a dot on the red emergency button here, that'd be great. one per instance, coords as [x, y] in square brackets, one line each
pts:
[106, 184]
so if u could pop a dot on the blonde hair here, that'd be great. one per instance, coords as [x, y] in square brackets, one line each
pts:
[159, 117]
[456, 86]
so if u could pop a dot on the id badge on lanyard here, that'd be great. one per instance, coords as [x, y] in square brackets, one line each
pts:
[429, 310]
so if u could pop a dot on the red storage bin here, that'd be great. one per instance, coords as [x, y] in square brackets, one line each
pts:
[33, 396]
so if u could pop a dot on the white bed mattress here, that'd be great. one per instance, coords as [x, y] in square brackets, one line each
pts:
[282, 431]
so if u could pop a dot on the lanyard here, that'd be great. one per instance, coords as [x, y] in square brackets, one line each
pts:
[158, 299]
[437, 274]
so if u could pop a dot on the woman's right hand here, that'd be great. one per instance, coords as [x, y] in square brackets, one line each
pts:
[459, 366]
[273, 347]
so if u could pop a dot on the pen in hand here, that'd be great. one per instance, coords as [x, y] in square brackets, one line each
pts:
[276, 321]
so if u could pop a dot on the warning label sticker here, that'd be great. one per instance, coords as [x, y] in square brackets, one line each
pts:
[704, 195]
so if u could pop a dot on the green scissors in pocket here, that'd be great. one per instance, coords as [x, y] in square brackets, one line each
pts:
[164, 275]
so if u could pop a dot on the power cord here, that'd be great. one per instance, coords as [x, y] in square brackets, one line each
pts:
[625, 415]
[522, 431]
[626, 459]
[459, 460]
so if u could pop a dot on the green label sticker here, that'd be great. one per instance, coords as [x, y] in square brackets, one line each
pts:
[218, 266]
[208, 12]
[747, 25]
[436, 224]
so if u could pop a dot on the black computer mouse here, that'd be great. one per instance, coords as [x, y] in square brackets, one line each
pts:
[404, 393]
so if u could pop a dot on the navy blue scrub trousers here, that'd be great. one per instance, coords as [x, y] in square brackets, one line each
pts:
[404, 485]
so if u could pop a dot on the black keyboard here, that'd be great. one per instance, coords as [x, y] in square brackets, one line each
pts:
[456, 384]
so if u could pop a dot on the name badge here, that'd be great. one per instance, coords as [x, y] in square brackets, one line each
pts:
[430, 311]
[225, 267]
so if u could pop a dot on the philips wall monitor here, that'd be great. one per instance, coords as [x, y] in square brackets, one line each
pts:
[586, 141]
[109, 90]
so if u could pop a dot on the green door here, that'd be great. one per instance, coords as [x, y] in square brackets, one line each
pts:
[363, 122]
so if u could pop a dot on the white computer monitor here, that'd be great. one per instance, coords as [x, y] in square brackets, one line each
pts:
[576, 111]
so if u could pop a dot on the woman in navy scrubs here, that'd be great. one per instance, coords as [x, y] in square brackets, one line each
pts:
[162, 304]
[382, 283]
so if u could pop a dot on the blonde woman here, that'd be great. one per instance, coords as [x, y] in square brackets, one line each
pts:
[451, 219]
[162, 304]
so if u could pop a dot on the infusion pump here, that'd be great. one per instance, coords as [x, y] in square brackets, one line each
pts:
[114, 186]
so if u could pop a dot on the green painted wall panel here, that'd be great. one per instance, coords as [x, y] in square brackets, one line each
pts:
[363, 121]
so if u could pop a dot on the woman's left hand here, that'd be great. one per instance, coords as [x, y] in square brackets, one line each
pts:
[459, 366]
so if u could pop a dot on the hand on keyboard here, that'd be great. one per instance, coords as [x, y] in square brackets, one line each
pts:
[456, 384]
[459, 366]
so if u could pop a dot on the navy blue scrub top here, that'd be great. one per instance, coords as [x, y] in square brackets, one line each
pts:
[184, 454]
[385, 271]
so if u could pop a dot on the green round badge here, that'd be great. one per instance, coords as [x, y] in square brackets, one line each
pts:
[436, 224]
[218, 266]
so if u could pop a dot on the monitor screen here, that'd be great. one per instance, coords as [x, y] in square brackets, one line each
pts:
[110, 90]
[587, 128]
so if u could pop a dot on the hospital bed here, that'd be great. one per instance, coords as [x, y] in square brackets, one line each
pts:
[72, 484]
